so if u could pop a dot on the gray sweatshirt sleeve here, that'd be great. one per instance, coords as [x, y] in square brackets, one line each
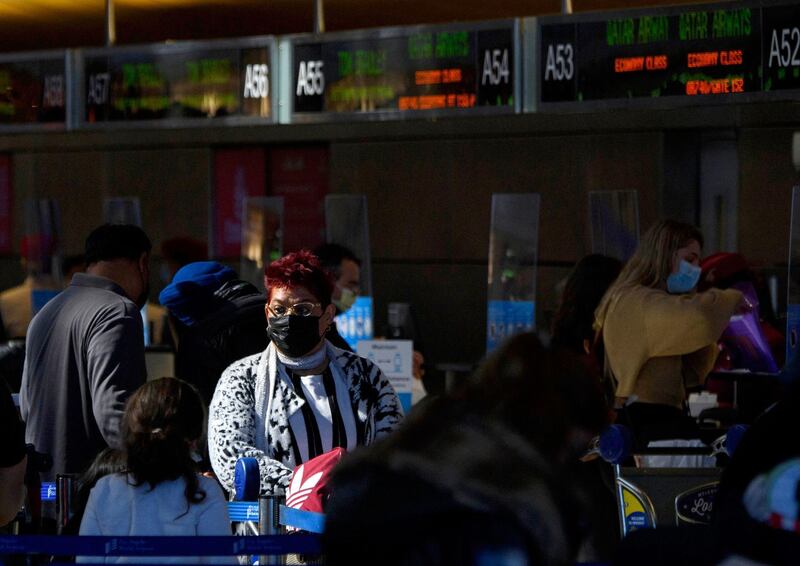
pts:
[115, 366]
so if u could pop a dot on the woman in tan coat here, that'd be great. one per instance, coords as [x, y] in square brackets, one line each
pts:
[660, 335]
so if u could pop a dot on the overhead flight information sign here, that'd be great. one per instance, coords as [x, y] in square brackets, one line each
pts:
[730, 49]
[179, 81]
[780, 47]
[33, 89]
[399, 70]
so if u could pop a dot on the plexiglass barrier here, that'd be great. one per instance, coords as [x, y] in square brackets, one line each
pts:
[793, 298]
[513, 254]
[262, 237]
[614, 223]
[122, 210]
[347, 224]
[41, 250]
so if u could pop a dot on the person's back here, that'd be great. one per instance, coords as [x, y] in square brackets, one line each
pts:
[217, 318]
[161, 510]
[66, 341]
[85, 353]
[233, 332]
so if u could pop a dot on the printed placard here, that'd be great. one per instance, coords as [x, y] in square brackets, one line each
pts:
[395, 358]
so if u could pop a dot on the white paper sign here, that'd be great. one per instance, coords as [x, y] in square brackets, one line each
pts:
[395, 358]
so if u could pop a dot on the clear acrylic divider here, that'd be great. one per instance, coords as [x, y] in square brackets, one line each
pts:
[347, 224]
[262, 237]
[793, 299]
[41, 249]
[513, 256]
[614, 223]
[122, 210]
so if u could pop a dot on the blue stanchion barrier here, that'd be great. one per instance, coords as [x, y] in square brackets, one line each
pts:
[48, 492]
[242, 511]
[246, 479]
[303, 520]
[160, 545]
[616, 443]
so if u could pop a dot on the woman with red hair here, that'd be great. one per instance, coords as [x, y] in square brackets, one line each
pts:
[301, 397]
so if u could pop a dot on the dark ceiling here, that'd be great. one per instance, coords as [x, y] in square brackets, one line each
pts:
[45, 24]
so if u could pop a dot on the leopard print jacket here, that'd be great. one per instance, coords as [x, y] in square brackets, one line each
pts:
[250, 414]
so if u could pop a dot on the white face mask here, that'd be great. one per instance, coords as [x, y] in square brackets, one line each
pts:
[346, 300]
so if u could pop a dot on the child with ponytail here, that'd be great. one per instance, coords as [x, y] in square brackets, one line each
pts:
[160, 491]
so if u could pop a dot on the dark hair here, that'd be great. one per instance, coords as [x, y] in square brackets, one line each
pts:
[116, 241]
[162, 419]
[299, 269]
[331, 257]
[587, 283]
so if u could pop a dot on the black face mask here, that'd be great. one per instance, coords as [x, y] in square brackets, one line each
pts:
[295, 335]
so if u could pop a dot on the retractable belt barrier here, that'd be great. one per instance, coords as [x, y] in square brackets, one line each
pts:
[160, 545]
[615, 445]
[247, 511]
[303, 520]
[241, 511]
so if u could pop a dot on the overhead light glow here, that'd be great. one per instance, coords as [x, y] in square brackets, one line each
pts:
[33, 9]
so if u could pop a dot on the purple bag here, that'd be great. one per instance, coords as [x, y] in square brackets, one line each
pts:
[744, 339]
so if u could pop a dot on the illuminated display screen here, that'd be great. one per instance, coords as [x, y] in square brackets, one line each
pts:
[703, 51]
[780, 47]
[131, 85]
[416, 69]
[33, 92]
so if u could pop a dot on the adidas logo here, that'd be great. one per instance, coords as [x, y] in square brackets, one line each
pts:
[299, 490]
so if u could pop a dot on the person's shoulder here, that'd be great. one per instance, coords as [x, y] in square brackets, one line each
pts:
[14, 293]
[210, 486]
[641, 291]
[626, 308]
[642, 296]
[111, 484]
[100, 293]
[242, 370]
[244, 365]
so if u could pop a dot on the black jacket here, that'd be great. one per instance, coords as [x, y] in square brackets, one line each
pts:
[235, 328]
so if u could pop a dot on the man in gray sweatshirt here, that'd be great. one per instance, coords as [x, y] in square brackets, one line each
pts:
[85, 352]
